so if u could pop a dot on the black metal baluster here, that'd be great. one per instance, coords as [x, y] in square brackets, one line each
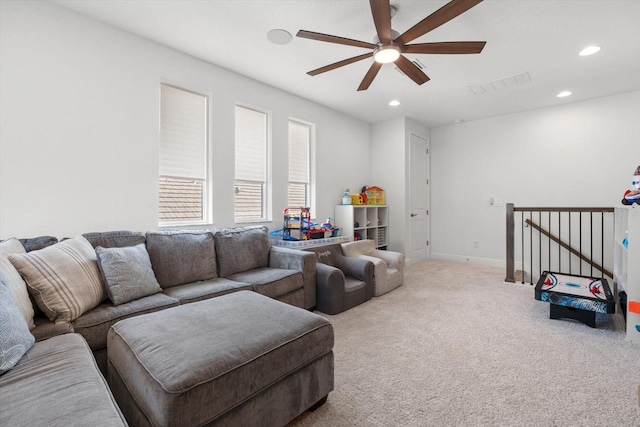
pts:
[531, 246]
[522, 244]
[591, 243]
[549, 238]
[581, 242]
[559, 247]
[602, 241]
[570, 256]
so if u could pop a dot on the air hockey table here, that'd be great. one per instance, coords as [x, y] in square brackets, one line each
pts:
[575, 297]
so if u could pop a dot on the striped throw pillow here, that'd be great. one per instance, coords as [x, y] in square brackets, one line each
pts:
[63, 278]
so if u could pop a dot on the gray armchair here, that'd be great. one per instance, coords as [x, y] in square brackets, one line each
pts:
[341, 282]
[388, 271]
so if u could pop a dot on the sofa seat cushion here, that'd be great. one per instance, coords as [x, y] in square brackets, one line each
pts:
[94, 325]
[271, 282]
[57, 383]
[182, 256]
[353, 285]
[237, 346]
[46, 329]
[197, 291]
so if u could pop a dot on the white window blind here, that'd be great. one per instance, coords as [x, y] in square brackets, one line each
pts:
[299, 164]
[251, 139]
[182, 156]
[183, 134]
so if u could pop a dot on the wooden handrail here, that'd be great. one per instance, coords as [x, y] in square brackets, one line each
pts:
[569, 248]
[556, 209]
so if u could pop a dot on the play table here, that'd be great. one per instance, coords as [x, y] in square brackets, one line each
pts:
[575, 297]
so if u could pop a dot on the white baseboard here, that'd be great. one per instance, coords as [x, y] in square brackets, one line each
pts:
[474, 260]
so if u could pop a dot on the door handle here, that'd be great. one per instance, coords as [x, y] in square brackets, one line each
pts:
[413, 214]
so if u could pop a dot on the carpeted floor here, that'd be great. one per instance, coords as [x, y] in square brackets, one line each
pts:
[456, 346]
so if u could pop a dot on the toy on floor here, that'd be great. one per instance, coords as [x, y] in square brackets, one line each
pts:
[633, 196]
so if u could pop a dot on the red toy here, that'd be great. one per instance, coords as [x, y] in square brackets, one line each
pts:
[633, 196]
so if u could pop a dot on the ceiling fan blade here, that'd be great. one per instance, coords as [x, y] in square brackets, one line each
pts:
[371, 74]
[381, 11]
[334, 39]
[411, 70]
[445, 47]
[445, 14]
[340, 64]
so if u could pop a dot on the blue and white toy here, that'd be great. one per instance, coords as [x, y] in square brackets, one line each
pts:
[633, 196]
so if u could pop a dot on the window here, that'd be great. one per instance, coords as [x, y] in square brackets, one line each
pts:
[183, 157]
[300, 155]
[251, 154]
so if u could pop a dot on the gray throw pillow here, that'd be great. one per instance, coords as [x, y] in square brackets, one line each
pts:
[15, 338]
[127, 273]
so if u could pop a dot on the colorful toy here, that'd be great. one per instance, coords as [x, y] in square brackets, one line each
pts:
[356, 199]
[374, 195]
[633, 196]
[296, 224]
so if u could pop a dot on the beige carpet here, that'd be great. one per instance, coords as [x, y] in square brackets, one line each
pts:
[456, 346]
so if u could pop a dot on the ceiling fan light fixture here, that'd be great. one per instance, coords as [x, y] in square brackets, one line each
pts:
[386, 54]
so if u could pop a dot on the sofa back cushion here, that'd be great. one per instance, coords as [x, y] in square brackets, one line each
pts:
[115, 239]
[63, 278]
[37, 243]
[329, 254]
[241, 249]
[182, 256]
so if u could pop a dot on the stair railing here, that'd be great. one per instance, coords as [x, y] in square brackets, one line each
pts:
[565, 240]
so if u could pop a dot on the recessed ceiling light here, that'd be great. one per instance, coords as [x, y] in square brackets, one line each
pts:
[279, 36]
[563, 94]
[589, 50]
[394, 103]
[458, 121]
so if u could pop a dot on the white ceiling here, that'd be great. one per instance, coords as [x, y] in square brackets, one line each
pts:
[538, 37]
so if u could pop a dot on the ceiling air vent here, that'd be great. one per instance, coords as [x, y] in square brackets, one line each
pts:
[501, 84]
[416, 62]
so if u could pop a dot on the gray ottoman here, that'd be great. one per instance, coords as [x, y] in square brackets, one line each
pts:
[239, 359]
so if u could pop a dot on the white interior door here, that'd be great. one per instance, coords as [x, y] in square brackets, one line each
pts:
[419, 199]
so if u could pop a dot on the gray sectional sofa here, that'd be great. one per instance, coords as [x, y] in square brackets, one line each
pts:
[189, 266]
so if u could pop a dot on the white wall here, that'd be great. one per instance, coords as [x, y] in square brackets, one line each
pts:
[579, 154]
[390, 149]
[388, 163]
[79, 127]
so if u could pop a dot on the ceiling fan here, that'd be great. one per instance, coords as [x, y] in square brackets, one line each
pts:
[390, 46]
